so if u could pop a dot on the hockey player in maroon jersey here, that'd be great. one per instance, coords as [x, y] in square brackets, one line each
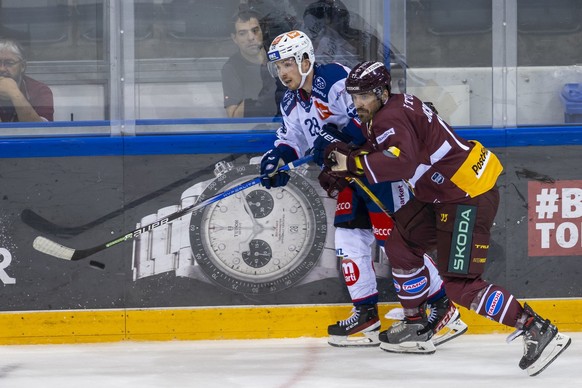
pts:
[453, 208]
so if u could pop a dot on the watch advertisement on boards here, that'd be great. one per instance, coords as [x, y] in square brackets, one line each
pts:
[251, 247]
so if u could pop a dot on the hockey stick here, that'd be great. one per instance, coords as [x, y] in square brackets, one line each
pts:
[44, 245]
[34, 220]
[370, 194]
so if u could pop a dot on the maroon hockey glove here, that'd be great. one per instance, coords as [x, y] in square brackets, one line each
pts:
[332, 183]
[344, 159]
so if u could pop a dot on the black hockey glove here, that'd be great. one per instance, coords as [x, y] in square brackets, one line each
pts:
[328, 134]
[271, 162]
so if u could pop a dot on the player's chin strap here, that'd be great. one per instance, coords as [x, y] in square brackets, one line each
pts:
[304, 75]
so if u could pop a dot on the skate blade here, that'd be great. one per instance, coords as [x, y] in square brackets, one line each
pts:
[369, 339]
[426, 347]
[451, 331]
[556, 346]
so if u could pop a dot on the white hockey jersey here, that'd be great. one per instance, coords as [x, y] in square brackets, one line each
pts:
[329, 103]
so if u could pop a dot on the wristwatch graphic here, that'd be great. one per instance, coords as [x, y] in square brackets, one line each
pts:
[256, 241]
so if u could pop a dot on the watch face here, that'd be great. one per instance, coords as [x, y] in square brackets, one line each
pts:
[258, 241]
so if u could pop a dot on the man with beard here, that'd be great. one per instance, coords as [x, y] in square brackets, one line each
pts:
[248, 89]
[455, 202]
[21, 97]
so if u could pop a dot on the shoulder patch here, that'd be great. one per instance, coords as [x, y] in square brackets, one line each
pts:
[382, 138]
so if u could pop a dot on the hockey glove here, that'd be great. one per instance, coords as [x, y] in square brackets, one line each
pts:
[344, 159]
[328, 134]
[271, 162]
[332, 183]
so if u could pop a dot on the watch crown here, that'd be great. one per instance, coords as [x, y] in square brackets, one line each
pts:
[222, 167]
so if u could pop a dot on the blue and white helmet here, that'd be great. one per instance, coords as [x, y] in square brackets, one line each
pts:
[293, 44]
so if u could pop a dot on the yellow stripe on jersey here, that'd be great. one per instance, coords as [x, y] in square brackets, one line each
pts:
[479, 171]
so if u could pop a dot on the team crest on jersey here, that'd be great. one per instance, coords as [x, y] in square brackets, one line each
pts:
[382, 138]
[319, 83]
[437, 178]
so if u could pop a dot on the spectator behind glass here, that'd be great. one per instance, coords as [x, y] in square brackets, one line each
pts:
[328, 23]
[21, 97]
[249, 90]
[276, 17]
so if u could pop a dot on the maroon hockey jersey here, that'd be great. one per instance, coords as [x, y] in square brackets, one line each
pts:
[407, 140]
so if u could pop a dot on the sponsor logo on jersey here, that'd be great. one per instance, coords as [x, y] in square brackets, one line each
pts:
[460, 255]
[437, 178]
[416, 285]
[400, 194]
[319, 83]
[381, 233]
[396, 285]
[380, 139]
[494, 303]
[479, 171]
[479, 166]
[343, 206]
[351, 272]
[288, 100]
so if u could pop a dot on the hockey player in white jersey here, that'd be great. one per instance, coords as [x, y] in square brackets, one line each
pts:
[317, 111]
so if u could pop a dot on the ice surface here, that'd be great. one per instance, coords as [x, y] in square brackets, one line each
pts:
[470, 361]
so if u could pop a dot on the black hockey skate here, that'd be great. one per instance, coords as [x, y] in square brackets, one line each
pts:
[411, 335]
[542, 342]
[445, 321]
[444, 318]
[363, 325]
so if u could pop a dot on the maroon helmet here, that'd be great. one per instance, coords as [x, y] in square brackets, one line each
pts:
[368, 77]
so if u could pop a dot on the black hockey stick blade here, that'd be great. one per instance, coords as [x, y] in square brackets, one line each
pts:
[41, 224]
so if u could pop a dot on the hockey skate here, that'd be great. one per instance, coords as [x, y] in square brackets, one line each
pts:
[542, 342]
[410, 335]
[444, 318]
[360, 329]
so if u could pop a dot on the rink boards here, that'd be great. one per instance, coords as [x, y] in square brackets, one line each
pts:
[76, 326]
[164, 285]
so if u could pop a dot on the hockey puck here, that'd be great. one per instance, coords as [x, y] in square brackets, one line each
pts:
[96, 264]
